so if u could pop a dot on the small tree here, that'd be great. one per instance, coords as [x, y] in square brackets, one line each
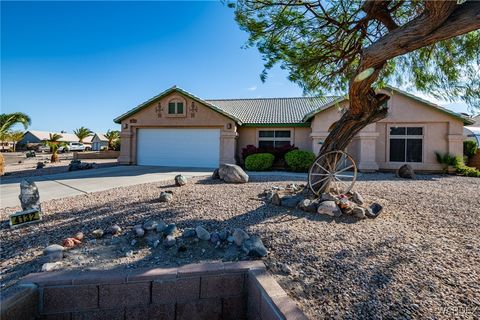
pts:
[112, 136]
[82, 133]
[54, 143]
[15, 137]
[7, 121]
[359, 46]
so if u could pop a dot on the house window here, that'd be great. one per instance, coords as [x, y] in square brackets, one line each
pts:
[175, 107]
[406, 144]
[274, 138]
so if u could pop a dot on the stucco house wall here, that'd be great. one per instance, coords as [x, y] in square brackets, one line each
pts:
[197, 115]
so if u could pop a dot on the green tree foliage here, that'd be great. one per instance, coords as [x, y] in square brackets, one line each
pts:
[7, 121]
[54, 143]
[82, 133]
[113, 136]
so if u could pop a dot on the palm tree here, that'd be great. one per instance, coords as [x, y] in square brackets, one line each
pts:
[15, 137]
[7, 121]
[54, 143]
[112, 136]
[82, 133]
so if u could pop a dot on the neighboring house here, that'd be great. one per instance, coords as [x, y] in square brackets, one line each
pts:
[34, 138]
[176, 128]
[99, 142]
[472, 132]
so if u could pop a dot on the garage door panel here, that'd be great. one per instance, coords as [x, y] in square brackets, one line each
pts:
[178, 147]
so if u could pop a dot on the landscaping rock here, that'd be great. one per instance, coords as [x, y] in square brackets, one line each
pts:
[359, 212]
[232, 173]
[161, 226]
[53, 252]
[156, 243]
[276, 200]
[308, 205]
[189, 233]
[180, 180]
[202, 234]
[291, 201]
[374, 210]
[78, 165]
[239, 236]
[230, 239]
[223, 235]
[165, 196]
[98, 233]
[357, 198]
[29, 195]
[129, 253]
[214, 237]
[329, 208]
[51, 266]
[170, 229]
[169, 241]
[150, 225]
[79, 236]
[215, 175]
[40, 165]
[138, 230]
[286, 269]
[327, 197]
[406, 172]
[115, 229]
[254, 247]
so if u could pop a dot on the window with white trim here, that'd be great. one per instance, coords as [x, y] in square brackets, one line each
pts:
[406, 144]
[176, 107]
[274, 138]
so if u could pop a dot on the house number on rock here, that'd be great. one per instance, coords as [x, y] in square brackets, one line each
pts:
[193, 109]
[25, 217]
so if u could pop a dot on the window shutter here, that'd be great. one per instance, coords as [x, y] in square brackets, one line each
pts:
[171, 107]
[180, 107]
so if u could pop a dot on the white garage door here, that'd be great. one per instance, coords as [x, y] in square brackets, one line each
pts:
[179, 147]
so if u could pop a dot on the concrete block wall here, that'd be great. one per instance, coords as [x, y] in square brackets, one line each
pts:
[110, 154]
[241, 290]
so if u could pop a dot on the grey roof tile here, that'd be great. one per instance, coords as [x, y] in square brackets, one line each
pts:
[271, 110]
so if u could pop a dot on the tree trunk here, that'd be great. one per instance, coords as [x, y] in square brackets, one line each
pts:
[54, 157]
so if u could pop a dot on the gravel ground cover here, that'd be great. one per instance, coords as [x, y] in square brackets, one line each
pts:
[28, 167]
[419, 259]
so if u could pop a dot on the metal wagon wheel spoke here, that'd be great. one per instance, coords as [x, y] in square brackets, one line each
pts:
[336, 169]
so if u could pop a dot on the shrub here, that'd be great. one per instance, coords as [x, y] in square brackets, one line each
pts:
[300, 161]
[469, 148]
[278, 152]
[465, 170]
[446, 159]
[259, 161]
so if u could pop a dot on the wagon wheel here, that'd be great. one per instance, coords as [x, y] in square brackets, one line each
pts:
[336, 169]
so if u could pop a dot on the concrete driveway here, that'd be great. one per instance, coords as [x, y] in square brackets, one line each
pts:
[62, 185]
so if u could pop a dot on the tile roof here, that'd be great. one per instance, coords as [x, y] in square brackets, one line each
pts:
[271, 110]
[67, 137]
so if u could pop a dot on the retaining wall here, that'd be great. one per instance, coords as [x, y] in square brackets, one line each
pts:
[231, 290]
[96, 155]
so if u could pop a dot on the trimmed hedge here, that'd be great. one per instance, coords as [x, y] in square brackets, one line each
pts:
[299, 160]
[259, 161]
[465, 170]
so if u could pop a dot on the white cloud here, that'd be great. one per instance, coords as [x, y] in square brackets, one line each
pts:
[252, 88]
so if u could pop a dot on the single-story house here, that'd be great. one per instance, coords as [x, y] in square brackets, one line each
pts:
[99, 142]
[34, 137]
[472, 132]
[176, 128]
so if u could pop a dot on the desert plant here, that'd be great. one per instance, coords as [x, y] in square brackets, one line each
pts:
[112, 136]
[7, 121]
[54, 143]
[82, 133]
[465, 170]
[469, 148]
[15, 137]
[299, 160]
[259, 161]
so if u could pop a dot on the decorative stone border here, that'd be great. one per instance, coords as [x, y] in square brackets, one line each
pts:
[230, 290]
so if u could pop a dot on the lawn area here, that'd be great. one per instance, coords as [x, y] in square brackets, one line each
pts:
[418, 259]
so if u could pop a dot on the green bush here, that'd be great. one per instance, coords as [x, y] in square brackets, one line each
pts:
[469, 148]
[259, 161]
[299, 161]
[465, 170]
[446, 159]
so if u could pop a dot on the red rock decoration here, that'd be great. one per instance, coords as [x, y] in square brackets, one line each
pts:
[70, 242]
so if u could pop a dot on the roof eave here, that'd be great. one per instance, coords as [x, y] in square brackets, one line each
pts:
[166, 92]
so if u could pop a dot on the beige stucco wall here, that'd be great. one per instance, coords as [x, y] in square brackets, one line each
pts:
[196, 115]
[249, 135]
[370, 148]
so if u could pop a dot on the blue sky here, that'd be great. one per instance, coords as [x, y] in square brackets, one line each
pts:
[72, 64]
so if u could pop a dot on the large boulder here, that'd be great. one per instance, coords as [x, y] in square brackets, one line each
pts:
[329, 208]
[406, 172]
[29, 195]
[232, 174]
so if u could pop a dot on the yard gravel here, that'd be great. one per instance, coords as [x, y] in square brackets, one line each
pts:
[419, 259]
